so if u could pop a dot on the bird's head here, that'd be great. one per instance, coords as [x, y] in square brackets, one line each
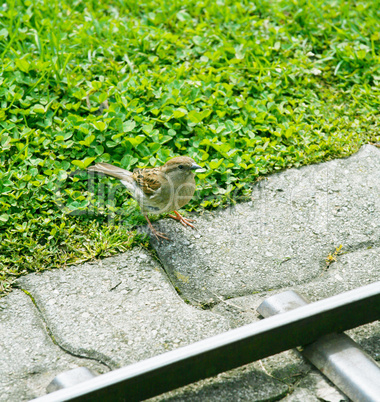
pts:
[180, 168]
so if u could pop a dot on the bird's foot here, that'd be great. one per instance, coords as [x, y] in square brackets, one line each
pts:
[182, 219]
[159, 235]
[155, 232]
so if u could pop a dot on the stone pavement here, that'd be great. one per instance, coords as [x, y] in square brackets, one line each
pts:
[123, 309]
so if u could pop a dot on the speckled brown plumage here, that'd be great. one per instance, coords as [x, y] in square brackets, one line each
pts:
[158, 190]
[147, 179]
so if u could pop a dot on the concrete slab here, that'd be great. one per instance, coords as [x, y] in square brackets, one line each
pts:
[29, 358]
[265, 380]
[350, 271]
[315, 388]
[281, 238]
[119, 310]
[241, 384]
[123, 309]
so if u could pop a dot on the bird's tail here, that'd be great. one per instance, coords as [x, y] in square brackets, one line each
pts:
[111, 170]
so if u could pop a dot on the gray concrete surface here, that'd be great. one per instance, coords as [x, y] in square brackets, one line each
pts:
[123, 309]
[29, 359]
[241, 384]
[283, 236]
[350, 271]
[314, 387]
[119, 310]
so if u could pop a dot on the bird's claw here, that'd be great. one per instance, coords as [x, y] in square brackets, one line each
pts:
[159, 235]
[155, 232]
[185, 221]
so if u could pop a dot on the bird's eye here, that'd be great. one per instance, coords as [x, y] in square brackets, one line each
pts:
[180, 167]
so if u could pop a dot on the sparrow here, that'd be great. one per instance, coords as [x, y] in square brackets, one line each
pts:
[158, 190]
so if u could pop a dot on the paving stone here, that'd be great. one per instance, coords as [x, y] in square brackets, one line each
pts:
[29, 360]
[281, 238]
[288, 367]
[315, 388]
[263, 380]
[242, 384]
[123, 309]
[350, 271]
[368, 337]
[119, 310]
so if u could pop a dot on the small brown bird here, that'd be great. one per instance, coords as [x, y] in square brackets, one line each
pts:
[158, 190]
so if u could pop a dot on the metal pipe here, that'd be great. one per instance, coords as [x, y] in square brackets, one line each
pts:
[337, 356]
[231, 349]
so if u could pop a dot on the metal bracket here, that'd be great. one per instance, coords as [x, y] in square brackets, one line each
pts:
[337, 356]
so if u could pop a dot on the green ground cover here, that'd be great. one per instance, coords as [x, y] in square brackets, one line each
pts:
[246, 88]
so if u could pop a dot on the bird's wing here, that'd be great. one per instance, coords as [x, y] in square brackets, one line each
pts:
[148, 180]
[125, 176]
[111, 170]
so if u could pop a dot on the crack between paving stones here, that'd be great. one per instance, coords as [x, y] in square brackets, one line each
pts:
[365, 245]
[153, 253]
[208, 306]
[228, 299]
[100, 360]
[350, 249]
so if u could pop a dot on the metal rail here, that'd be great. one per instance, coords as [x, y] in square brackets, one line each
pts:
[337, 356]
[226, 351]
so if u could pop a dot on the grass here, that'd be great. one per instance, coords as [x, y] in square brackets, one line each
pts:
[245, 88]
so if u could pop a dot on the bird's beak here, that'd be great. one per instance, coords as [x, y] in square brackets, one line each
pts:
[194, 166]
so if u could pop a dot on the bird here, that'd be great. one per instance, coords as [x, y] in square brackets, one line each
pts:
[158, 190]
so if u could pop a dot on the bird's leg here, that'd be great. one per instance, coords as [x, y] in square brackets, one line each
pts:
[182, 219]
[154, 231]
